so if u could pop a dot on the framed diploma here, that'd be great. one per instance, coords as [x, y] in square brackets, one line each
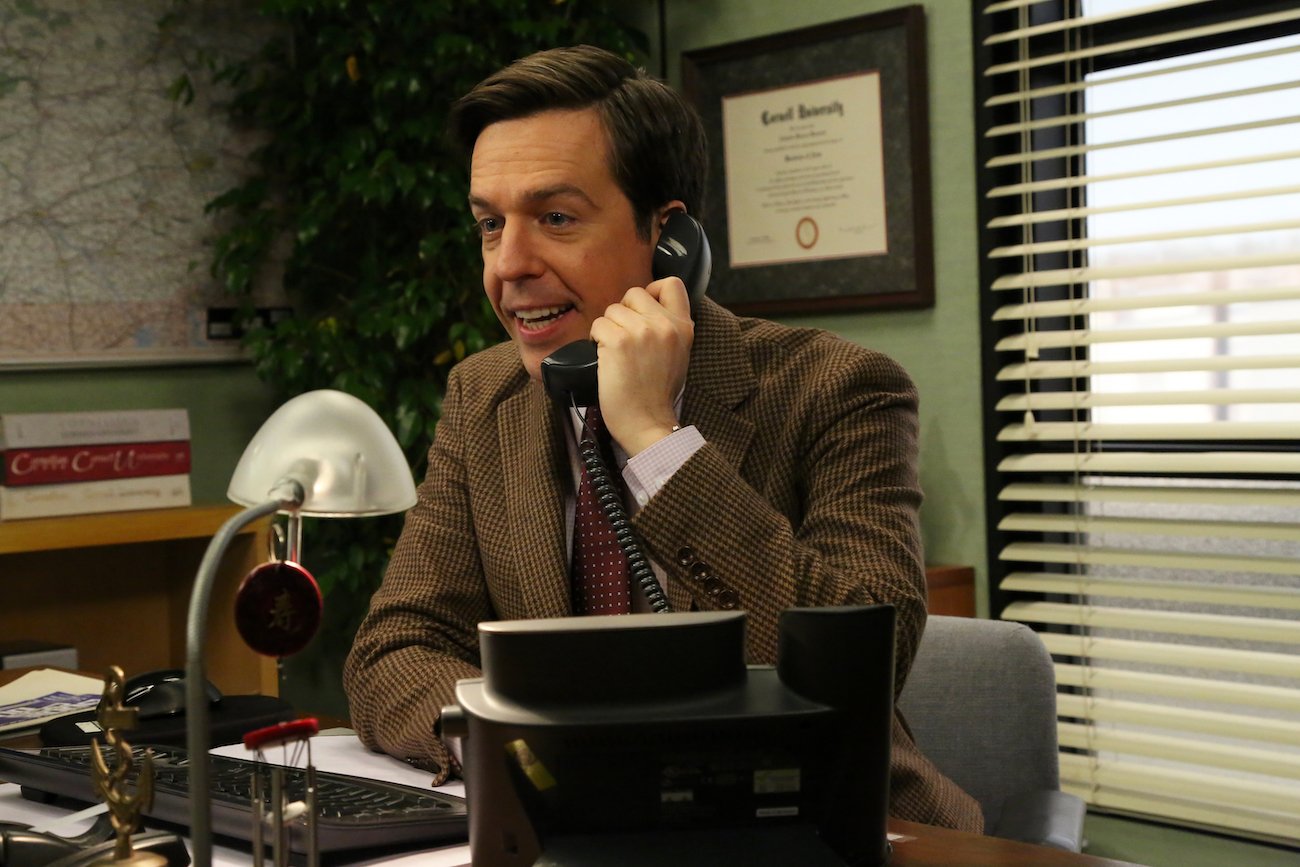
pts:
[818, 195]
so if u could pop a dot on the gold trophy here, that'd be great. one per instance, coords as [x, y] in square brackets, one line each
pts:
[124, 806]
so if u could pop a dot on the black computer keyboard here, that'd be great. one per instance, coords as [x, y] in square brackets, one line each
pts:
[352, 813]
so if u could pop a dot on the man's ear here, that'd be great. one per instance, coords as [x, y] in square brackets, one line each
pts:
[661, 217]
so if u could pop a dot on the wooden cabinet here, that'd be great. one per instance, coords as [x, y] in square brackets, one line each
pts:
[117, 587]
[951, 590]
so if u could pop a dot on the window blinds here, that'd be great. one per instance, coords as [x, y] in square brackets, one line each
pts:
[1141, 177]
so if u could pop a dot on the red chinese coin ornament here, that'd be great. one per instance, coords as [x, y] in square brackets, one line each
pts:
[278, 608]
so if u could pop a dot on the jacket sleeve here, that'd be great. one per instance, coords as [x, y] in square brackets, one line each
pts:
[824, 510]
[420, 636]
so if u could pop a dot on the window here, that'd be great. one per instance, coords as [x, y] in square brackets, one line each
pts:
[1141, 206]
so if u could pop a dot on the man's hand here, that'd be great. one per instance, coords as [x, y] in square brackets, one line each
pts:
[644, 346]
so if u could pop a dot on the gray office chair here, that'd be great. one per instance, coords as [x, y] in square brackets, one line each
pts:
[981, 702]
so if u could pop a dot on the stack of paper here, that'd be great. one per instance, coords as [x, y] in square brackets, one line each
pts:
[45, 694]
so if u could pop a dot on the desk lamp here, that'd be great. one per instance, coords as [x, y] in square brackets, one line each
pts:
[322, 454]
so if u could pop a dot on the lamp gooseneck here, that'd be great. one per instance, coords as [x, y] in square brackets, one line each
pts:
[333, 456]
[288, 495]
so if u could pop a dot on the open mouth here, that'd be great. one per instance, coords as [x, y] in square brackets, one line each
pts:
[540, 317]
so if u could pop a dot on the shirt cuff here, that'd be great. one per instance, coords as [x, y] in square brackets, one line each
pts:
[650, 470]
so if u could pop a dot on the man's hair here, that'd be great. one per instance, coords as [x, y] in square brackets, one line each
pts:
[657, 149]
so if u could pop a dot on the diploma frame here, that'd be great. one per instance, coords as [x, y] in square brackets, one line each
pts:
[891, 42]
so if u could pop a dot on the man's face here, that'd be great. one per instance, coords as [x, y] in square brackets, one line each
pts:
[559, 239]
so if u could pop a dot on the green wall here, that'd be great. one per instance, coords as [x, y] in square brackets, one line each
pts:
[939, 346]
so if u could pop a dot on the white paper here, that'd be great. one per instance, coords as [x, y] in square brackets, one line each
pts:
[805, 171]
[46, 694]
[340, 752]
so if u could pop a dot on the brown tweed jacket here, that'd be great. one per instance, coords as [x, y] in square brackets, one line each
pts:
[806, 494]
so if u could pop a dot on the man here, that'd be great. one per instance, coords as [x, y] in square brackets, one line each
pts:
[767, 467]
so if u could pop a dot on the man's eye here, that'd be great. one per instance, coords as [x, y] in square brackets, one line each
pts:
[556, 220]
[488, 226]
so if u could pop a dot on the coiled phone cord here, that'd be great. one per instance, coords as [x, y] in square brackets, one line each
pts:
[611, 503]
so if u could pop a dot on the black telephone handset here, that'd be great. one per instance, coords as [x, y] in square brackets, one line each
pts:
[570, 377]
[569, 373]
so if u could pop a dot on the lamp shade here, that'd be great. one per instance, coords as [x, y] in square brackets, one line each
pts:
[336, 448]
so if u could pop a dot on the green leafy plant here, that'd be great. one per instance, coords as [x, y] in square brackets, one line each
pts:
[358, 181]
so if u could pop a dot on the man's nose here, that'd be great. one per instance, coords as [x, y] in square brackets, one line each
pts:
[516, 255]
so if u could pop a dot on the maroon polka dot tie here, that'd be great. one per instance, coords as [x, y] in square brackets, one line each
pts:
[600, 574]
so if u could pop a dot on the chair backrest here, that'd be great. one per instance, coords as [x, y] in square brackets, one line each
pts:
[981, 702]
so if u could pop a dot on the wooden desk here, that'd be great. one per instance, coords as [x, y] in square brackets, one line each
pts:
[117, 588]
[923, 846]
[920, 846]
[951, 590]
[928, 846]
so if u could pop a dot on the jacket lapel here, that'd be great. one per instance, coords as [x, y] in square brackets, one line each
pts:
[535, 467]
[535, 462]
[718, 382]
[720, 379]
